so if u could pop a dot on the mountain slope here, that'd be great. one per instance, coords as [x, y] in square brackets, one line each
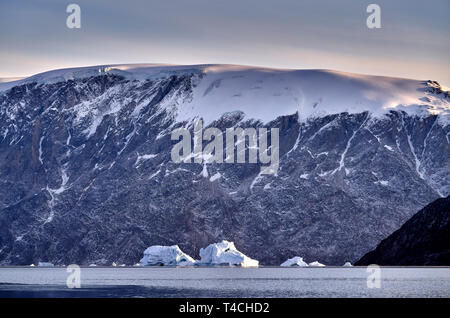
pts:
[424, 240]
[86, 175]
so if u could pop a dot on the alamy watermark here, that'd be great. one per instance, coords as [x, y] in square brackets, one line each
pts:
[250, 140]
[374, 277]
[73, 21]
[374, 19]
[74, 278]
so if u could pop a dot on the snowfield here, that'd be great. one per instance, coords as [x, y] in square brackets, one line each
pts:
[265, 93]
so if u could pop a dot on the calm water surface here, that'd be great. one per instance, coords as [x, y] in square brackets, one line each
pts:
[224, 282]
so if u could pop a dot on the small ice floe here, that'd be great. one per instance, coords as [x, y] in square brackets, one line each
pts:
[316, 263]
[347, 264]
[31, 265]
[298, 261]
[113, 264]
[225, 253]
[295, 261]
[92, 265]
[45, 264]
[137, 265]
[166, 256]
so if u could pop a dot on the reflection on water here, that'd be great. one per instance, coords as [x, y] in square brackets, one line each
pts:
[225, 282]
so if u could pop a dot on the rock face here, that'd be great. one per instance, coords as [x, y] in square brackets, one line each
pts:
[166, 256]
[225, 253]
[424, 240]
[86, 174]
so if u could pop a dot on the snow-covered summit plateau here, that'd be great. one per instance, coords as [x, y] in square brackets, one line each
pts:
[266, 93]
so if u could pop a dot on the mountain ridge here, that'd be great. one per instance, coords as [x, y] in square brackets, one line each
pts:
[311, 93]
[86, 175]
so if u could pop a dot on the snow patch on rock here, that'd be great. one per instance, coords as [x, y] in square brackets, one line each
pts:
[215, 177]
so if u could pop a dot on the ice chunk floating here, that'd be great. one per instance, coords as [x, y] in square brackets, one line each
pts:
[347, 264]
[316, 263]
[295, 261]
[166, 256]
[225, 253]
[45, 264]
[298, 261]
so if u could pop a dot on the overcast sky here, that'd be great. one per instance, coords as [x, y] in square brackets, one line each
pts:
[414, 40]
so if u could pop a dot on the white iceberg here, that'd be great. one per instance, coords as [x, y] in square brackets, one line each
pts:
[166, 256]
[347, 264]
[45, 264]
[295, 261]
[316, 263]
[225, 253]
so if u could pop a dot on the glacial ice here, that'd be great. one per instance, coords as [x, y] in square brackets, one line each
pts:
[166, 256]
[295, 261]
[225, 253]
[45, 264]
[298, 261]
[347, 264]
[316, 263]
[257, 90]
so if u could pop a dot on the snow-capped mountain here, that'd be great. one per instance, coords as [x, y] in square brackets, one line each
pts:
[86, 174]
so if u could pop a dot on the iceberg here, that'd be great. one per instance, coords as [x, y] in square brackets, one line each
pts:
[316, 263]
[45, 264]
[298, 261]
[347, 264]
[166, 256]
[225, 253]
[295, 261]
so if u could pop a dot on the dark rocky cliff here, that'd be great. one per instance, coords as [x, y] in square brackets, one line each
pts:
[424, 240]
